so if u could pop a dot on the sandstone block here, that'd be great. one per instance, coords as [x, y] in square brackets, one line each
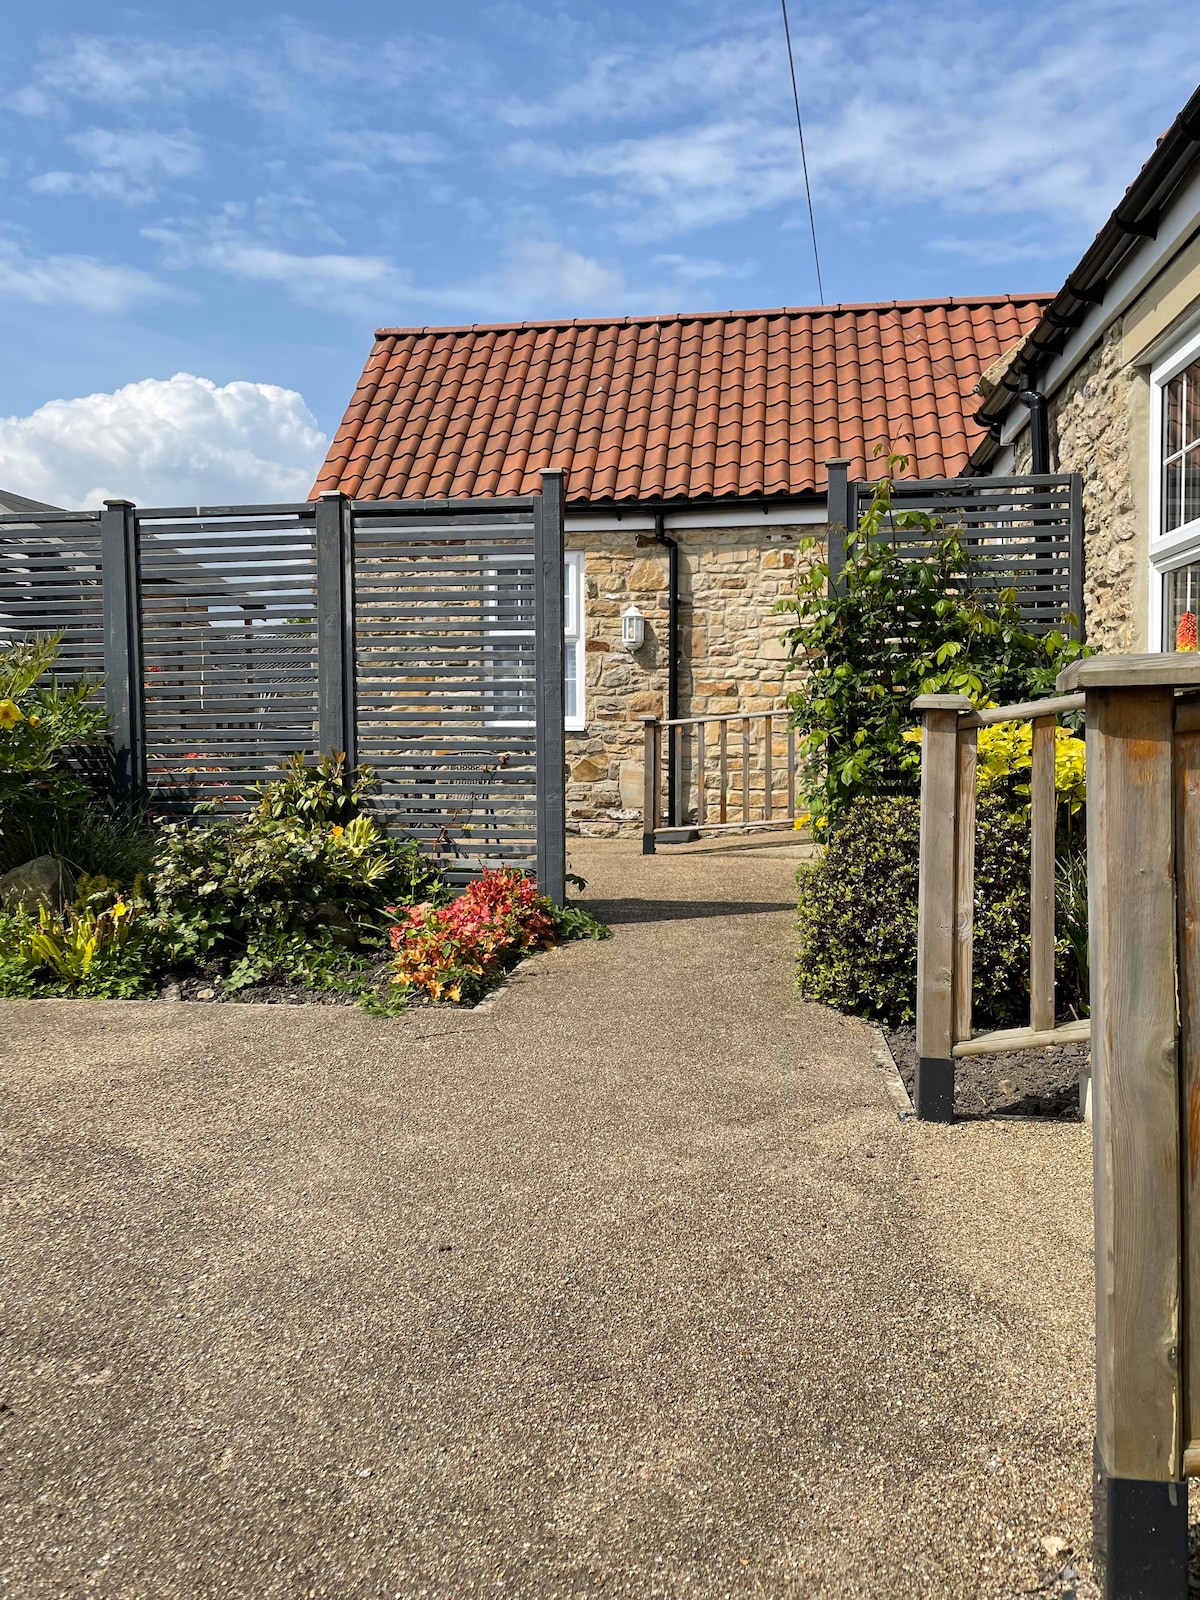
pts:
[646, 703]
[588, 770]
[647, 576]
[632, 777]
[44, 881]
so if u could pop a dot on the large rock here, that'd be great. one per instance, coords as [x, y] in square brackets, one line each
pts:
[46, 881]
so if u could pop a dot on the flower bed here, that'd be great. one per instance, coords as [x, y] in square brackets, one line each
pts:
[305, 895]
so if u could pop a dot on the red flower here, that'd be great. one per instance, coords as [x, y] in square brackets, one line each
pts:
[1185, 633]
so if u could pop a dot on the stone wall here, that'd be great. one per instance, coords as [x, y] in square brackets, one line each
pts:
[731, 655]
[1098, 424]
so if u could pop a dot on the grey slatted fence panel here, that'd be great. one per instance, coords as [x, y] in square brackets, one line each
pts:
[1024, 533]
[444, 609]
[51, 582]
[229, 641]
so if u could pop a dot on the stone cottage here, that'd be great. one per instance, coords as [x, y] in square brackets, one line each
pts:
[1108, 384]
[695, 452]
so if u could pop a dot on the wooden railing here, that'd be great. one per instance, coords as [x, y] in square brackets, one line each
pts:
[718, 774]
[945, 928]
[1143, 829]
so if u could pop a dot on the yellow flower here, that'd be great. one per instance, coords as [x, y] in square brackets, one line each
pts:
[10, 714]
[35, 721]
[337, 830]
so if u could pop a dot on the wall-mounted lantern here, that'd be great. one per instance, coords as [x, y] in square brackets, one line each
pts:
[633, 629]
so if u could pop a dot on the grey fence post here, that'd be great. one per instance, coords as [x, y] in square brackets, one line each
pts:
[1076, 557]
[548, 541]
[837, 514]
[124, 682]
[337, 709]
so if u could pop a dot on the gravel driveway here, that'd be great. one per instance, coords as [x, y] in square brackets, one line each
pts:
[633, 1284]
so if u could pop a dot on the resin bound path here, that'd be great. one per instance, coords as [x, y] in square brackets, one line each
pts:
[632, 1285]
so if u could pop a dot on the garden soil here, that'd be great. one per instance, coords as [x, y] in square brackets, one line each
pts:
[1021, 1083]
[629, 1284]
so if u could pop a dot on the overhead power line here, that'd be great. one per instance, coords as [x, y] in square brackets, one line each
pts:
[812, 224]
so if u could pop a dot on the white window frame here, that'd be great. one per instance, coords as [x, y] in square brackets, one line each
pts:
[575, 635]
[1182, 545]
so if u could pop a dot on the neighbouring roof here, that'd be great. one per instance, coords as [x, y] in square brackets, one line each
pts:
[18, 504]
[1134, 221]
[731, 404]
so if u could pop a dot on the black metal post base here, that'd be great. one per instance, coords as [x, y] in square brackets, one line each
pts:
[934, 1098]
[1141, 1537]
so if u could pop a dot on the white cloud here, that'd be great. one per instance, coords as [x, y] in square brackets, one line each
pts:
[329, 281]
[540, 273]
[174, 441]
[74, 281]
[1035, 116]
[124, 165]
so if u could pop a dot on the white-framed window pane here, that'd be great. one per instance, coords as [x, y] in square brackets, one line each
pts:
[571, 685]
[1181, 598]
[508, 629]
[571, 577]
[1181, 449]
[574, 642]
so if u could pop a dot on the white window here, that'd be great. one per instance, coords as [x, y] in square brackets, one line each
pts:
[508, 614]
[509, 643]
[1174, 493]
[575, 641]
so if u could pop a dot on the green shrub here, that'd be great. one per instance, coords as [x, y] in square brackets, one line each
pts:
[47, 808]
[857, 913]
[282, 892]
[42, 800]
[102, 946]
[893, 627]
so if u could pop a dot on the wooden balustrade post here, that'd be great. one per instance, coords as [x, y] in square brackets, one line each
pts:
[964, 882]
[768, 776]
[1140, 1499]
[651, 781]
[1043, 824]
[936, 904]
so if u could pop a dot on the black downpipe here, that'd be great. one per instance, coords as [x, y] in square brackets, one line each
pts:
[661, 536]
[1039, 423]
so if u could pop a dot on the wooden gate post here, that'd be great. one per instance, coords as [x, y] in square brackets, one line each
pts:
[651, 780]
[936, 898]
[1140, 1496]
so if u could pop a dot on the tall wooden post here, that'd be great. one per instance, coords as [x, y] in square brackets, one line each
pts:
[651, 794]
[936, 894]
[1140, 1495]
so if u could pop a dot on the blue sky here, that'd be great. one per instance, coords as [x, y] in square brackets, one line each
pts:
[208, 209]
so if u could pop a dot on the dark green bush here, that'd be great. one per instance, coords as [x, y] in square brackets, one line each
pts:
[858, 914]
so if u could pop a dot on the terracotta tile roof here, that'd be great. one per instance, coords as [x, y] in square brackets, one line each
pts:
[681, 407]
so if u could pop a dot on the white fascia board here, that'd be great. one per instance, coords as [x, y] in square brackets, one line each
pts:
[604, 520]
[1176, 227]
